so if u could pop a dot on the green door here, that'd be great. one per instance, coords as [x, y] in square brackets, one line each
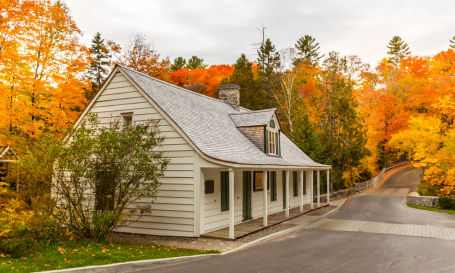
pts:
[284, 189]
[246, 196]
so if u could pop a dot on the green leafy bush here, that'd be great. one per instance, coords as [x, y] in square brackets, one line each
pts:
[428, 190]
[102, 172]
[446, 202]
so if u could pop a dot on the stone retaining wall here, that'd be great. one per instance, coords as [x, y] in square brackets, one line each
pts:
[425, 201]
[336, 195]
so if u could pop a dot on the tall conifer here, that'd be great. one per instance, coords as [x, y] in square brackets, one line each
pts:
[251, 94]
[398, 49]
[100, 59]
[308, 50]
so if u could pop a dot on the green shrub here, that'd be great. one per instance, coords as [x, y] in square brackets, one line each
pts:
[446, 202]
[428, 190]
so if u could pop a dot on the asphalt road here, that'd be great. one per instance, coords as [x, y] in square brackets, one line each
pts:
[313, 250]
[387, 204]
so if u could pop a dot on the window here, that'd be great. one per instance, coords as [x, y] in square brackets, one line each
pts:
[272, 124]
[272, 138]
[209, 186]
[295, 183]
[224, 191]
[104, 191]
[272, 143]
[273, 191]
[128, 118]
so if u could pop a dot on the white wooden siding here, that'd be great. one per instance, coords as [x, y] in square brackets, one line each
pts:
[173, 209]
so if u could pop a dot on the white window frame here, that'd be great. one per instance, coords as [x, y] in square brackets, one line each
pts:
[272, 132]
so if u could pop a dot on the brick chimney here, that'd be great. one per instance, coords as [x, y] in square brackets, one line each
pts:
[230, 94]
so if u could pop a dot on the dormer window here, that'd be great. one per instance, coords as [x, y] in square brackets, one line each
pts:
[272, 138]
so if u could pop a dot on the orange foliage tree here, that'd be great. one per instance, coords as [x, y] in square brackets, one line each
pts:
[393, 93]
[141, 56]
[41, 66]
[204, 81]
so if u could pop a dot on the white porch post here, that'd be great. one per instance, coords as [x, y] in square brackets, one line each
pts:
[201, 204]
[264, 189]
[301, 191]
[310, 182]
[231, 204]
[319, 189]
[328, 188]
[287, 194]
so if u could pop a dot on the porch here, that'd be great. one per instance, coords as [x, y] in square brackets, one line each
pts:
[250, 194]
[255, 225]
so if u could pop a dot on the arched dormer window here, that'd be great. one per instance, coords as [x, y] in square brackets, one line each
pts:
[272, 123]
[272, 138]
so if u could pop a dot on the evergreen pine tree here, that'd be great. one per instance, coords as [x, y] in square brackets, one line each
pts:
[179, 63]
[452, 43]
[99, 65]
[308, 50]
[308, 139]
[268, 61]
[251, 94]
[195, 62]
[398, 49]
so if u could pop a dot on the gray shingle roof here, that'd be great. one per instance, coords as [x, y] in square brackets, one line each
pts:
[253, 118]
[207, 123]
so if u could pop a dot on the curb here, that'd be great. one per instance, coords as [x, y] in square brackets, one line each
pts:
[155, 263]
[135, 265]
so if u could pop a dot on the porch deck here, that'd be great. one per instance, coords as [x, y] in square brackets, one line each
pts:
[251, 226]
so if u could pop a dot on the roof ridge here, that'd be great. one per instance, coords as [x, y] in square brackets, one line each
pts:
[255, 111]
[172, 85]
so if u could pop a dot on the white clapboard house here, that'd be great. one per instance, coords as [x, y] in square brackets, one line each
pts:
[220, 155]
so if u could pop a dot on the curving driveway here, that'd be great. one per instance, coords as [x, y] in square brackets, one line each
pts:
[387, 204]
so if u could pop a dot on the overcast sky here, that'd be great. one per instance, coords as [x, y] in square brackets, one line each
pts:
[219, 31]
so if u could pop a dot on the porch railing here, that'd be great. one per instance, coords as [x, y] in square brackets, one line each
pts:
[361, 186]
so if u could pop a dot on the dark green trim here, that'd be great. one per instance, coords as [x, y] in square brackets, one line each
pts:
[266, 142]
[224, 191]
[304, 184]
[295, 183]
[273, 188]
[247, 195]
[278, 143]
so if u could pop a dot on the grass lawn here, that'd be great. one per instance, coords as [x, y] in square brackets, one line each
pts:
[432, 209]
[77, 254]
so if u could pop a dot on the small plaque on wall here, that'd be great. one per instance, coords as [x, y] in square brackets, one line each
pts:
[257, 181]
[209, 186]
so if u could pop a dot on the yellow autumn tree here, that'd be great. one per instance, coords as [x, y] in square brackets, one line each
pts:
[430, 145]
